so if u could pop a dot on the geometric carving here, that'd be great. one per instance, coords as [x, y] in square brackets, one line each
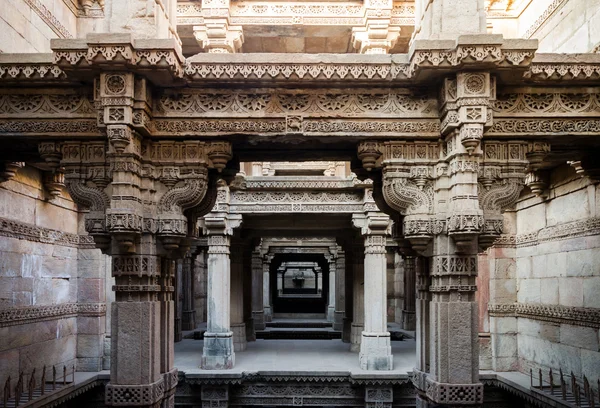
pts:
[458, 394]
[131, 395]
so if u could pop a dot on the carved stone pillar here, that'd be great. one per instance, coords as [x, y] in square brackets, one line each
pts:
[258, 313]
[358, 296]
[238, 326]
[340, 290]
[451, 195]
[375, 347]
[218, 352]
[188, 321]
[408, 313]
[266, 264]
[332, 289]
[178, 298]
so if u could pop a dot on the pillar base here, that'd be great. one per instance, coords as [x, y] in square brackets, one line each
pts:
[331, 314]
[409, 320]
[338, 321]
[356, 336]
[376, 352]
[259, 320]
[218, 353]
[188, 321]
[239, 336]
[268, 314]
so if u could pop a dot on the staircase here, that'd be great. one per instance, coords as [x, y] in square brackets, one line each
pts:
[292, 329]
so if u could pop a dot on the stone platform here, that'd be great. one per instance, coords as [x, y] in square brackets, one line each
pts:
[314, 357]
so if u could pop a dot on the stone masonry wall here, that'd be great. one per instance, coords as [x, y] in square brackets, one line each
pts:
[52, 282]
[572, 26]
[28, 25]
[545, 285]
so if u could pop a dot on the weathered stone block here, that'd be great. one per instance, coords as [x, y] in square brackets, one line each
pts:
[583, 263]
[523, 267]
[591, 291]
[89, 364]
[504, 269]
[90, 290]
[549, 291]
[571, 291]
[578, 336]
[503, 325]
[542, 330]
[529, 291]
[503, 290]
[504, 345]
[531, 219]
[90, 345]
[91, 324]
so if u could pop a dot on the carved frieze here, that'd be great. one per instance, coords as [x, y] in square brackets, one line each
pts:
[577, 316]
[33, 314]
[380, 103]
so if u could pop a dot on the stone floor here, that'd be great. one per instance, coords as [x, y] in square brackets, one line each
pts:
[310, 356]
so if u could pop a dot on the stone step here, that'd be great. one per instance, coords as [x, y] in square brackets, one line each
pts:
[301, 334]
[297, 324]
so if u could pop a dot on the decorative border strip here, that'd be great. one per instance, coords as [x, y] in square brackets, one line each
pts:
[575, 229]
[543, 17]
[576, 316]
[33, 314]
[48, 18]
[29, 232]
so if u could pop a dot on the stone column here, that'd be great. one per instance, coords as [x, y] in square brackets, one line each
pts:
[408, 313]
[238, 326]
[358, 295]
[218, 352]
[258, 313]
[398, 287]
[340, 290]
[200, 284]
[188, 321]
[375, 347]
[178, 297]
[331, 297]
[267, 288]
[319, 274]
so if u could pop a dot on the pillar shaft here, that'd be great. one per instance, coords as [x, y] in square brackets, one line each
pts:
[218, 350]
[189, 311]
[331, 297]
[238, 326]
[358, 298]
[375, 347]
[408, 313]
[258, 313]
[340, 291]
[267, 290]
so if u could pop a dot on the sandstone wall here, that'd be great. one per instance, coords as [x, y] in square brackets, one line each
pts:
[545, 285]
[52, 282]
[572, 27]
[28, 25]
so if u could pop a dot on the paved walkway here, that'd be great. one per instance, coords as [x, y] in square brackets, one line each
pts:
[308, 356]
